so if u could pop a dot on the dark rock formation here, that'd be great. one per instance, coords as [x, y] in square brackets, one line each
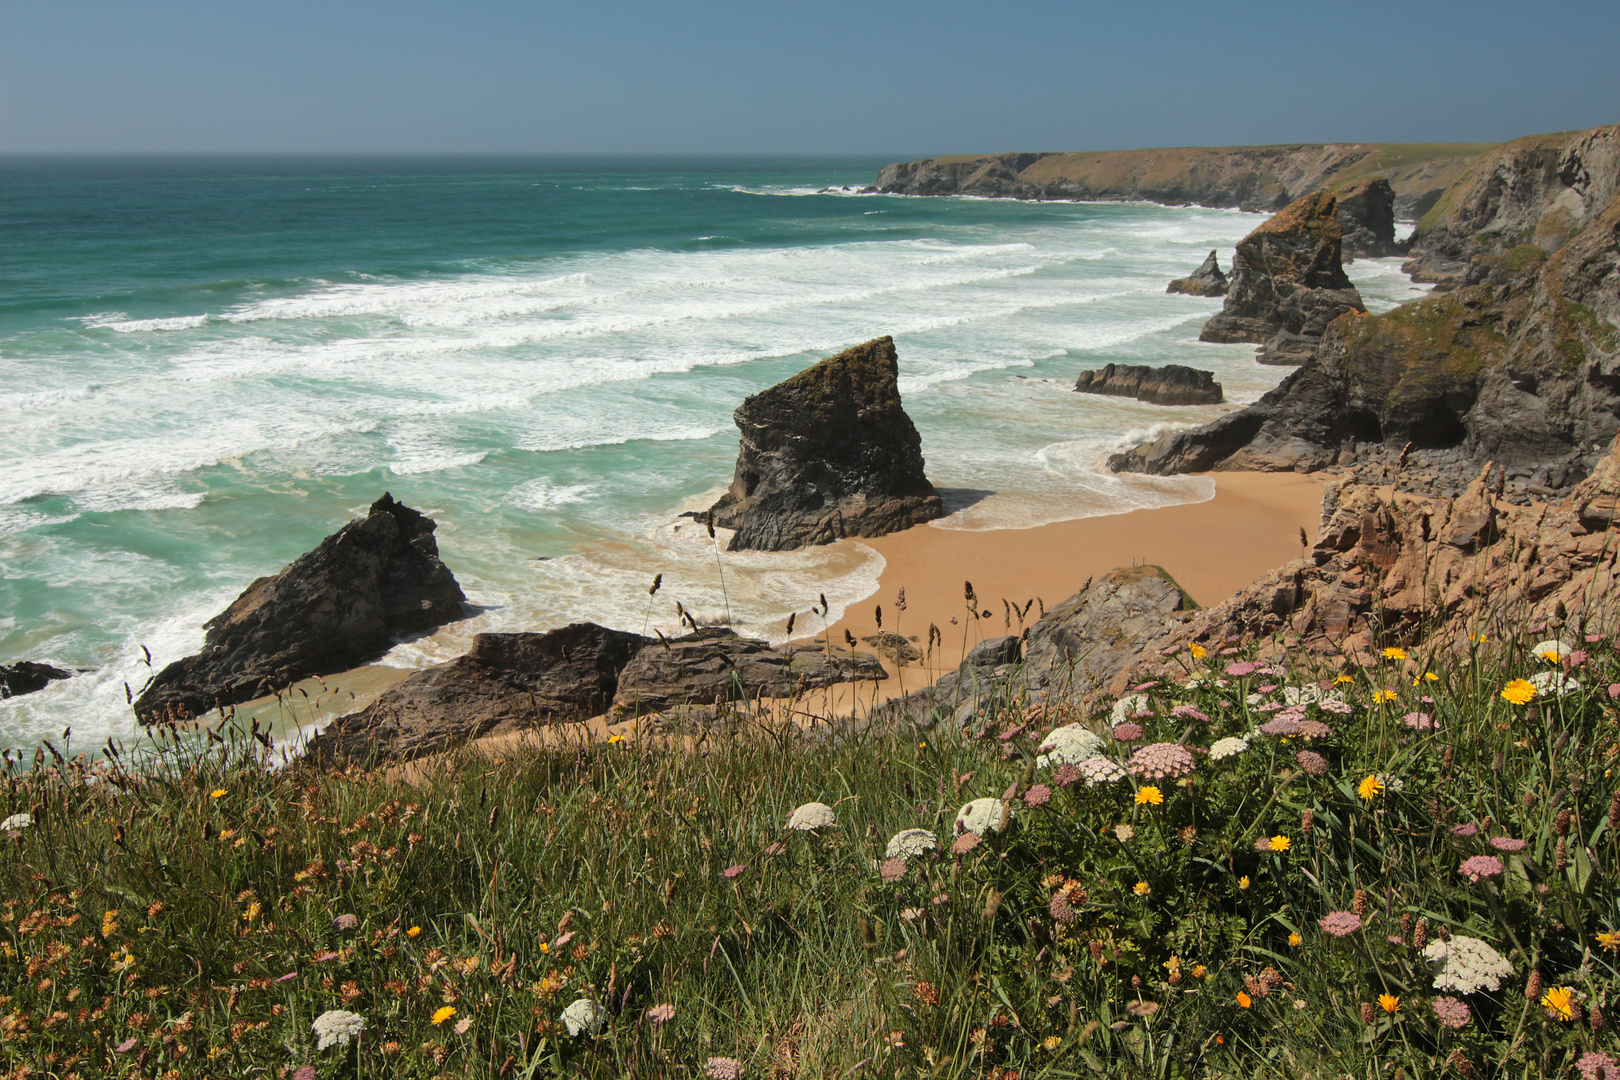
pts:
[1366, 215]
[1287, 275]
[827, 454]
[342, 604]
[27, 677]
[1097, 632]
[1207, 280]
[993, 176]
[715, 664]
[1171, 384]
[508, 682]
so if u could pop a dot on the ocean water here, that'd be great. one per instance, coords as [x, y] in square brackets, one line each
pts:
[206, 366]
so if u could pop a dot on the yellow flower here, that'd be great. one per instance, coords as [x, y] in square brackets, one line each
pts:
[1149, 796]
[1243, 882]
[1051, 1042]
[109, 924]
[1244, 1000]
[1519, 691]
[217, 793]
[544, 947]
[616, 738]
[1550, 655]
[1142, 888]
[1294, 939]
[1609, 941]
[1342, 680]
[444, 1014]
[252, 912]
[1381, 696]
[1197, 650]
[1427, 676]
[1389, 1003]
[1281, 843]
[1560, 1001]
[413, 931]
[1199, 971]
[1393, 653]
[1370, 788]
[1478, 638]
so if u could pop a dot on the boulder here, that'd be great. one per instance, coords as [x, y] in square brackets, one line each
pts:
[1085, 641]
[27, 677]
[1207, 280]
[827, 454]
[715, 664]
[1171, 384]
[507, 682]
[342, 604]
[1366, 214]
[1288, 275]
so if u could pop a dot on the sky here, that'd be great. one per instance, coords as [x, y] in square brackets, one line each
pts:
[891, 78]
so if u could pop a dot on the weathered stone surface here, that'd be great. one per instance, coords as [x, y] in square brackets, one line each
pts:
[827, 454]
[1171, 384]
[340, 605]
[27, 677]
[1366, 214]
[715, 663]
[1288, 275]
[507, 682]
[1088, 639]
[1207, 280]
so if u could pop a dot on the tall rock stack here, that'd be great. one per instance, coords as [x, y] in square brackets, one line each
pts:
[1287, 283]
[1366, 215]
[827, 454]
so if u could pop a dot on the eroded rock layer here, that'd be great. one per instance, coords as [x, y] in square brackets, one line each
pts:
[1171, 384]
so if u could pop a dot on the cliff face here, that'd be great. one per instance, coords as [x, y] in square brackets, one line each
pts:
[1259, 177]
[1367, 216]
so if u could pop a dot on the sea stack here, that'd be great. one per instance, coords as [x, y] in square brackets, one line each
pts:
[1172, 384]
[827, 454]
[1287, 282]
[1207, 280]
[1366, 216]
[335, 607]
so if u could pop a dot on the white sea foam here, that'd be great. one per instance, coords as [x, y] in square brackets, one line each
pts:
[123, 324]
[543, 494]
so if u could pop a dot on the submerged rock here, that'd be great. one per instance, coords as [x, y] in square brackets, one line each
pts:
[716, 664]
[508, 682]
[340, 605]
[1171, 384]
[1207, 280]
[827, 454]
[27, 677]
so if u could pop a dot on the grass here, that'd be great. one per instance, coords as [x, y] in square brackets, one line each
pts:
[192, 913]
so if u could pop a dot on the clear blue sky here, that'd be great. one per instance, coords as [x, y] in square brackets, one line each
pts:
[892, 78]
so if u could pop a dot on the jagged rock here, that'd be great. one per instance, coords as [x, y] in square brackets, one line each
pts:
[340, 605]
[507, 682]
[1171, 384]
[1366, 214]
[715, 663]
[1085, 641]
[27, 677]
[827, 454]
[1207, 280]
[1287, 275]
[990, 176]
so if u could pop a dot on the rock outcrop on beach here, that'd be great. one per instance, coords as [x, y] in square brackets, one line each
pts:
[1252, 177]
[826, 454]
[1366, 214]
[716, 665]
[1287, 279]
[1171, 384]
[28, 677]
[340, 605]
[507, 682]
[1207, 280]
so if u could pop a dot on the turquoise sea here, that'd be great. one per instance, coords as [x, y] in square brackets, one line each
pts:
[208, 365]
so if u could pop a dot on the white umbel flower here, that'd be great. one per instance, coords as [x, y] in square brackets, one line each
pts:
[1466, 964]
[1230, 746]
[982, 816]
[335, 1027]
[584, 1017]
[1126, 706]
[910, 843]
[1069, 745]
[16, 823]
[1554, 683]
[811, 816]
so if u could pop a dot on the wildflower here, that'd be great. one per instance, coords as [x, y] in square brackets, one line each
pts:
[584, 1016]
[1557, 683]
[615, 739]
[1370, 788]
[1051, 1042]
[1038, 795]
[1560, 1002]
[16, 823]
[1466, 964]
[1519, 692]
[1480, 866]
[1389, 1003]
[442, 1014]
[464, 1025]
[1452, 1012]
[413, 931]
[1609, 941]
[1162, 761]
[1427, 676]
[1188, 712]
[1149, 796]
[1127, 732]
[1294, 939]
[1333, 705]
[1314, 729]
[1281, 727]
[1507, 843]
[1243, 882]
[335, 1027]
[810, 817]
[1381, 696]
[1124, 833]
[1197, 650]
[661, 1014]
[1244, 1000]
[1422, 721]
[1280, 843]
[1313, 763]
[1343, 680]
[910, 843]
[723, 1068]
[1340, 923]
[733, 871]
[1141, 888]
[1394, 653]
[1069, 745]
[1239, 668]
[1100, 770]
[1228, 747]
[1595, 1065]
[982, 816]
[345, 922]
[1552, 650]
[217, 793]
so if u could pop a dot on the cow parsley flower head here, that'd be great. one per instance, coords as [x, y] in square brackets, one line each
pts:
[1480, 866]
[1069, 745]
[1340, 923]
[16, 823]
[1127, 707]
[723, 1068]
[335, 1027]
[982, 816]
[1100, 770]
[1556, 683]
[1466, 965]
[584, 1017]
[1162, 761]
[1230, 746]
[811, 816]
[1452, 1012]
[910, 844]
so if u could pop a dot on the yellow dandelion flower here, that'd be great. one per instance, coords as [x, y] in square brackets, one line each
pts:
[1197, 650]
[1243, 882]
[1519, 691]
[1427, 676]
[1381, 696]
[616, 739]
[1560, 1001]
[1394, 653]
[1281, 843]
[217, 793]
[1343, 680]
[443, 1014]
[413, 931]
[1244, 1000]
[1149, 796]
[1550, 655]
[1609, 941]
[1294, 939]
[1389, 1003]
[1141, 888]
[1199, 971]
[1370, 788]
